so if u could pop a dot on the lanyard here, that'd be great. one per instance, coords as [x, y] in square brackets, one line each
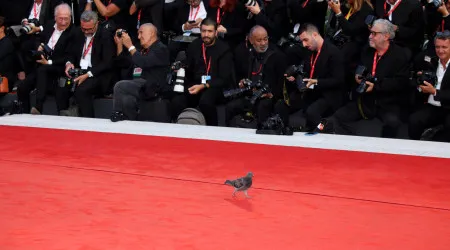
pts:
[392, 8]
[89, 46]
[195, 16]
[208, 66]
[349, 14]
[442, 25]
[375, 62]
[139, 19]
[257, 72]
[106, 18]
[219, 17]
[35, 13]
[313, 64]
[305, 3]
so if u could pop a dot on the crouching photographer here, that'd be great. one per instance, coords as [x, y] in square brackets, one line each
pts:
[433, 82]
[149, 71]
[382, 82]
[90, 54]
[262, 83]
[49, 56]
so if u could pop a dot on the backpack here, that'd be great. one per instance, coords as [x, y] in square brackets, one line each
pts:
[191, 116]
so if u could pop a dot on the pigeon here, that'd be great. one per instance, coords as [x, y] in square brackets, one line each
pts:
[241, 184]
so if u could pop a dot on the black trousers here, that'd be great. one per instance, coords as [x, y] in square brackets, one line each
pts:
[351, 113]
[263, 108]
[426, 117]
[43, 80]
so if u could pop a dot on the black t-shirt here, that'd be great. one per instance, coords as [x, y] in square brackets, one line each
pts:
[120, 19]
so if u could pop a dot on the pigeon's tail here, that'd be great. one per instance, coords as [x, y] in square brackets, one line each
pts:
[228, 182]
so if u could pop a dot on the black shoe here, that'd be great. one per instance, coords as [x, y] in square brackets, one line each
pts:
[430, 133]
[117, 116]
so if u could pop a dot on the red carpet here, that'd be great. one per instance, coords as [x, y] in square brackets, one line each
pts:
[82, 190]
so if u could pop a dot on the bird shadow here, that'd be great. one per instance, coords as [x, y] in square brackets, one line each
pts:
[244, 204]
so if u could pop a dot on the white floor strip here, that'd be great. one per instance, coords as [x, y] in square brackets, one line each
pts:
[351, 143]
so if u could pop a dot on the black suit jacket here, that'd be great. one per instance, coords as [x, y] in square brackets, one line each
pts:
[392, 73]
[59, 51]
[409, 18]
[329, 72]
[103, 51]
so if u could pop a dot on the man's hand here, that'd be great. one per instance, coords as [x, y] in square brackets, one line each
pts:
[335, 7]
[42, 61]
[188, 26]
[241, 83]
[197, 23]
[310, 82]
[79, 80]
[358, 79]
[221, 29]
[69, 66]
[34, 30]
[443, 10]
[126, 40]
[117, 39]
[370, 86]
[40, 47]
[290, 78]
[196, 89]
[254, 9]
[267, 95]
[428, 88]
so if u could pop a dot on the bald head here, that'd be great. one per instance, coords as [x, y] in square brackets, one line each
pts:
[259, 38]
[147, 34]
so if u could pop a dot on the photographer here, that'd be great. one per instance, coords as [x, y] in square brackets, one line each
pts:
[149, 69]
[407, 17]
[436, 110]
[50, 57]
[209, 70]
[272, 16]
[384, 93]
[266, 65]
[91, 54]
[321, 89]
[437, 19]
[7, 54]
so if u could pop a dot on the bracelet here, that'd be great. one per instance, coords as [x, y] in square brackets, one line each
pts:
[131, 48]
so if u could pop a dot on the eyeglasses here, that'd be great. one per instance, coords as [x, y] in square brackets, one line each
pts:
[374, 33]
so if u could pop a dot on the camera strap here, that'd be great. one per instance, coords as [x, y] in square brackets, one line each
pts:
[313, 64]
[219, 16]
[207, 66]
[252, 73]
[35, 12]
[376, 59]
[193, 17]
[305, 3]
[387, 14]
[349, 14]
[88, 47]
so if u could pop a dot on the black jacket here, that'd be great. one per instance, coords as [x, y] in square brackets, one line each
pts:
[314, 12]
[221, 70]
[392, 73]
[273, 17]
[235, 22]
[59, 51]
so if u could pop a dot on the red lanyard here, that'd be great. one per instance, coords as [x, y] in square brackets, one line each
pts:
[392, 8]
[36, 14]
[257, 72]
[208, 66]
[442, 25]
[219, 17]
[139, 19]
[106, 18]
[375, 62]
[86, 49]
[305, 3]
[313, 64]
[195, 16]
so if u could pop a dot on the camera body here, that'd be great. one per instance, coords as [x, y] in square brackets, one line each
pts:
[28, 27]
[257, 89]
[428, 76]
[74, 73]
[298, 71]
[120, 33]
[176, 76]
[249, 2]
[365, 76]
[274, 125]
[289, 41]
[47, 52]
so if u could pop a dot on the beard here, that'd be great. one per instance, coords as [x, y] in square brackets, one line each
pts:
[207, 40]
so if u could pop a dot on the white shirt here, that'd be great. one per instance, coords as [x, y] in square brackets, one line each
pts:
[201, 14]
[35, 11]
[54, 38]
[440, 74]
[86, 62]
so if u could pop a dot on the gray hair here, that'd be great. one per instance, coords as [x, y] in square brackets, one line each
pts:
[151, 27]
[61, 7]
[386, 27]
[89, 15]
[254, 28]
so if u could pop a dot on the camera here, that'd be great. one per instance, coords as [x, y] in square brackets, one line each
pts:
[28, 27]
[46, 52]
[370, 19]
[437, 3]
[298, 71]
[428, 76]
[249, 2]
[177, 73]
[274, 125]
[74, 73]
[257, 89]
[120, 33]
[289, 41]
[365, 76]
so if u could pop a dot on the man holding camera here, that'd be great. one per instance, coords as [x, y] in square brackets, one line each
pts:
[321, 89]
[264, 69]
[209, 71]
[384, 89]
[50, 57]
[436, 110]
[91, 54]
[150, 68]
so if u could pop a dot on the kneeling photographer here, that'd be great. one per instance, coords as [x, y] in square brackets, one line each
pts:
[433, 82]
[262, 82]
[382, 80]
[149, 68]
[50, 58]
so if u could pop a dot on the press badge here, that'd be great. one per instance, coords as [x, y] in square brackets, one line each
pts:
[137, 72]
[84, 64]
[205, 79]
